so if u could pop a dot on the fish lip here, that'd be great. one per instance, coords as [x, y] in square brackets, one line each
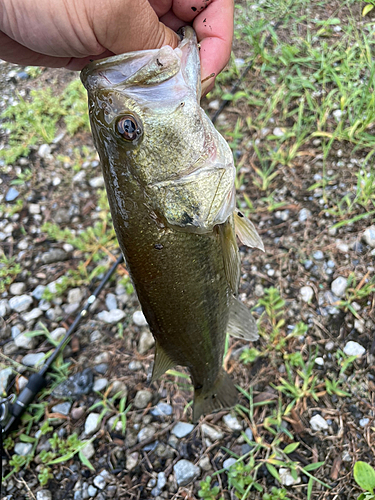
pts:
[187, 36]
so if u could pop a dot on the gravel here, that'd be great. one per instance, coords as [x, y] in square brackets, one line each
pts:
[111, 301]
[307, 294]
[23, 448]
[185, 472]
[339, 285]
[63, 408]
[4, 308]
[92, 423]
[162, 409]
[11, 194]
[354, 349]
[211, 433]
[142, 399]
[100, 384]
[369, 236]
[229, 462]
[139, 319]
[317, 423]
[25, 342]
[17, 288]
[232, 422]
[146, 341]
[111, 317]
[88, 450]
[20, 303]
[182, 429]
[44, 495]
[33, 359]
[5, 375]
[54, 255]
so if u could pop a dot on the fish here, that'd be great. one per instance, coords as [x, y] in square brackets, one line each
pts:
[169, 177]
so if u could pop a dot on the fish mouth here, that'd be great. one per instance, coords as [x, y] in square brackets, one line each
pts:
[145, 68]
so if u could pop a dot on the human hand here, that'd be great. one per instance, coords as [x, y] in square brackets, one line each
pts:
[71, 32]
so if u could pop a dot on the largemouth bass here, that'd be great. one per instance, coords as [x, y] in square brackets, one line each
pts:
[169, 177]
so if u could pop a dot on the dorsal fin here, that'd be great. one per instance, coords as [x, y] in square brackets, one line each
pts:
[162, 362]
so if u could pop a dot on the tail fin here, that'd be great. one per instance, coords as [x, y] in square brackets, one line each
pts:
[222, 394]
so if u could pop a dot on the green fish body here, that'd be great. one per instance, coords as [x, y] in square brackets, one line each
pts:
[169, 177]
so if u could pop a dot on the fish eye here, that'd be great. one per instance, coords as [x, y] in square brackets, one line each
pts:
[128, 128]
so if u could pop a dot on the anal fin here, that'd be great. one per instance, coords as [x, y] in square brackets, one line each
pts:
[246, 231]
[222, 394]
[162, 363]
[241, 323]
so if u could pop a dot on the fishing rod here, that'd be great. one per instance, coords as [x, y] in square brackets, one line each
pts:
[12, 408]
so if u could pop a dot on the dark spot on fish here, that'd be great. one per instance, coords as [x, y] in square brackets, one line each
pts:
[239, 214]
[204, 20]
[158, 246]
[159, 63]
[193, 9]
[182, 104]
[186, 219]
[213, 396]
[91, 60]
[198, 387]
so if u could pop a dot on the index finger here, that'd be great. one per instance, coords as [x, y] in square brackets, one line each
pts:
[214, 28]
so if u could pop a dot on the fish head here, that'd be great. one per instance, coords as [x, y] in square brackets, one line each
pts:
[149, 128]
[144, 109]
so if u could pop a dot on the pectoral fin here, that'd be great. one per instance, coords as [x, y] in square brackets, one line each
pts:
[231, 256]
[241, 323]
[246, 231]
[162, 363]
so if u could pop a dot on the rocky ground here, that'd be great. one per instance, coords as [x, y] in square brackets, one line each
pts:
[100, 430]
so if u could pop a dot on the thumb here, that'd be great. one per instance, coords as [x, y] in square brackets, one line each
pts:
[126, 25]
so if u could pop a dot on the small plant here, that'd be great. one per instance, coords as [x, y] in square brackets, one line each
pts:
[276, 494]
[206, 491]
[8, 271]
[364, 476]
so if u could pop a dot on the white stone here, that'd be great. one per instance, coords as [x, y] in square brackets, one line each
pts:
[317, 423]
[185, 472]
[232, 423]
[339, 285]
[20, 303]
[132, 460]
[97, 182]
[354, 349]
[88, 450]
[359, 325]
[286, 477]
[278, 132]
[111, 317]
[319, 361]
[92, 423]
[142, 399]
[307, 294]
[44, 495]
[212, 433]
[17, 288]
[139, 319]
[369, 236]
[33, 314]
[25, 342]
[146, 341]
[74, 296]
[34, 359]
[182, 429]
[34, 208]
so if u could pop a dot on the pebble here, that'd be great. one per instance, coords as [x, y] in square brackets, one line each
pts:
[339, 285]
[342, 247]
[34, 359]
[132, 460]
[4, 379]
[212, 433]
[304, 214]
[23, 448]
[15, 330]
[101, 368]
[317, 423]
[80, 177]
[92, 491]
[44, 495]
[146, 341]
[33, 314]
[259, 290]
[229, 462]
[92, 423]
[359, 325]
[17, 288]
[354, 349]
[38, 292]
[22, 382]
[58, 333]
[185, 472]
[182, 429]
[34, 209]
[25, 342]
[63, 408]
[249, 434]
[139, 319]
[75, 296]
[100, 384]
[205, 464]
[146, 433]
[97, 182]
[232, 423]
[162, 409]
[346, 456]
[286, 477]
[364, 421]
[278, 132]
[54, 255]
[135, 365]
[318, 255]
[142, 399]
[319, 361]
[77, 413]
[113, 316]
[100, 482]
[329, 345]
[44, 150]
[4, 308]
[20, 303]
[12, 194]
[111, 301]
[337, 114]
[119, 388]
[307, 294]
[369, 236]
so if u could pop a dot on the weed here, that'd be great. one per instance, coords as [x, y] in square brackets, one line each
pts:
[276, 494]
[364, 476]
[206, 491]
[8, 271]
